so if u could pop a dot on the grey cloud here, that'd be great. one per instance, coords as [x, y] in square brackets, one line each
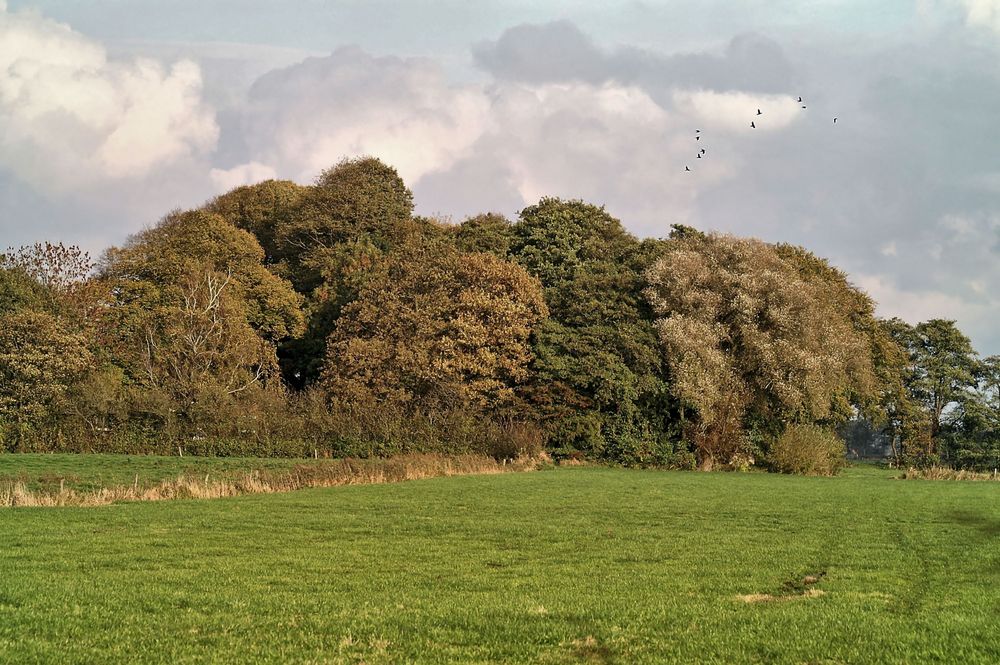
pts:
[559, 51]
[556, 51]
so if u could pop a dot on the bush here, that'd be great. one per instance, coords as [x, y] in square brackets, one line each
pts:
[808, 450]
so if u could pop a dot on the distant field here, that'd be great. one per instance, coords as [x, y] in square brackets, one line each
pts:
[561, 566]
[45, 472]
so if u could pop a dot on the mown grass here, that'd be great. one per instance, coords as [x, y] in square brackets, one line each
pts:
[570, 565]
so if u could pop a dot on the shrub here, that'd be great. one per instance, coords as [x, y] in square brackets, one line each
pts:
[808, 450]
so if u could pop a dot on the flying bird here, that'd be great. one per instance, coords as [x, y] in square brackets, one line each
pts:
[753, 126]
[800, 100]
[686, 168]
[697, 131]
[699, 155]
[703, 151]
[803, 106]
[759, 113]
[697, 138]
[835, 121]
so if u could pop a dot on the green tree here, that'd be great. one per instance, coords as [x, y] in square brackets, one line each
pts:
[343, 225]
[598, 375]
[945, 367]
[489, 232]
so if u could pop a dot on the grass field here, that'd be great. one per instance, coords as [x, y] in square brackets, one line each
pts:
[560, 566]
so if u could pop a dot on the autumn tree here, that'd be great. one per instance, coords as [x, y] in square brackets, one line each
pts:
[45, 305]
[39, 361]
[52, 277]
[265, 209]
[195, 314]
[342, 226]
[435, 328]
[357, 201]
[757, 337]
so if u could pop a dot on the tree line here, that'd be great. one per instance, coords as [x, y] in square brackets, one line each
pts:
[280, 319]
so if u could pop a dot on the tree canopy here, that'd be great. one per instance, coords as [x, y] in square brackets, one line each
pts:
[284, 316]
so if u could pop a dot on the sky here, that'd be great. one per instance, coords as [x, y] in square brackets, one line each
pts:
[115, 112]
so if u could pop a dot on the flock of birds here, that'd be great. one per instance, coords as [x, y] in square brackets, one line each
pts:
[753, 125]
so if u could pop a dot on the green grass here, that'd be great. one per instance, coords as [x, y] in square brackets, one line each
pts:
[47, 472]
[570, 565]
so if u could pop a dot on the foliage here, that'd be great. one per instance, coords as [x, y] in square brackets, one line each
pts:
[39, 361]
[435, 327]
[49, 277]
[598, 374]
[808, 450]
[971, 436]
[195, 315]
[342, 226]
[757, 336]
[264, 209]
[275, 317]
[940, 374]
[356, 200]
[489, 232]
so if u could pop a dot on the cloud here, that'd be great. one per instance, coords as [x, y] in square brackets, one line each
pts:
[733, 111]
[975, 318]
[244, 174]
[985, 13]
[556, 51]
[306, 117]
[70, 117]
[560, 52]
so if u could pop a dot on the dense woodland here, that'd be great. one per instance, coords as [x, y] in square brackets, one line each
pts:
[288, 320]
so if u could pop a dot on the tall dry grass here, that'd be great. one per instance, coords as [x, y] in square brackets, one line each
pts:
[947, 473]
[329, 474]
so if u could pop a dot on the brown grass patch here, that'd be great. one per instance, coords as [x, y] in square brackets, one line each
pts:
[332, 474]
[753, 598]
[590, 650]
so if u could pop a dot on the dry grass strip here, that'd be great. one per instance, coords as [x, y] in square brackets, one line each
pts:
[946, 473]
[331, 474]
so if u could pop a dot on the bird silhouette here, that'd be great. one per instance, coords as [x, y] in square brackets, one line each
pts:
[759, 113]
[803, 106]
[697, 131]
[800, 100]
[753, 126]
[703, 151]
[697, 138]
[686, 168]
[835, 121]
[699, 155]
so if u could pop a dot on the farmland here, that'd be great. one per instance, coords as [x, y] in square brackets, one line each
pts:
[563, 565]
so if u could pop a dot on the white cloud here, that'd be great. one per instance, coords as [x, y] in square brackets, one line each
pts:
[984, 13]
[306, 117]
[71, 117]
[244, 174]
[889, 249]
[734, 111]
